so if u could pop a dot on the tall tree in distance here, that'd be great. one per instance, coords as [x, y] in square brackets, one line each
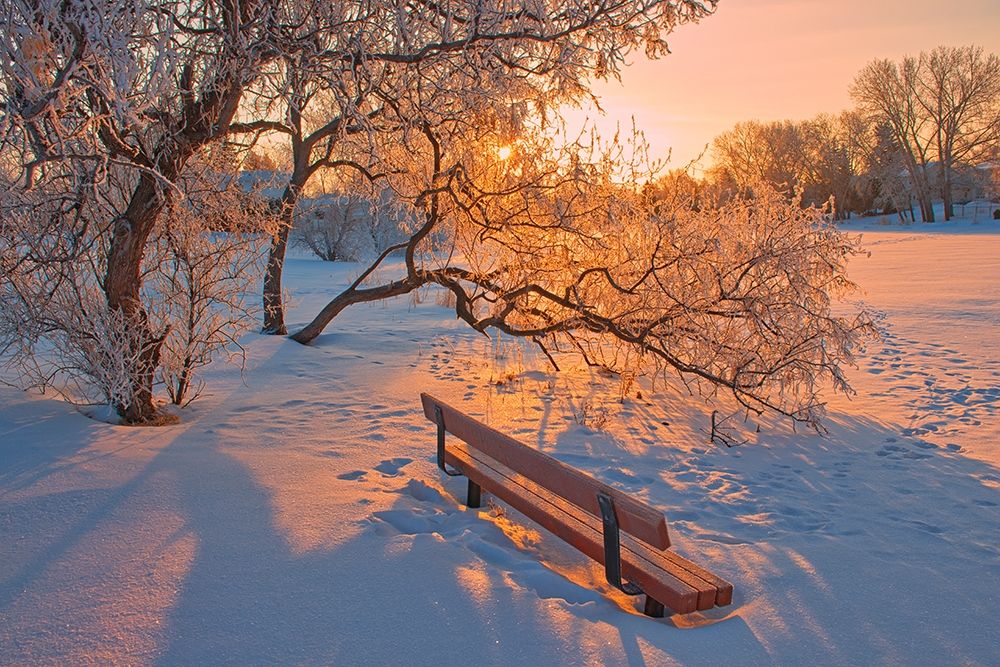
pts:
[943, 108]
[755, 151]
[886, 93]
[959, 90]
[811, 156]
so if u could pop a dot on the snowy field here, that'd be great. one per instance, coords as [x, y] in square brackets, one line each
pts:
[296, 516]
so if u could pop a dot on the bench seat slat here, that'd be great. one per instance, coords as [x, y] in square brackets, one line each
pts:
[665, 576]
[724, 589]
[634, 517]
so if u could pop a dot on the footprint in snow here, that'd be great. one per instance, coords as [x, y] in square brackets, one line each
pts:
[391, 467]
[409, 522]
[420, 491]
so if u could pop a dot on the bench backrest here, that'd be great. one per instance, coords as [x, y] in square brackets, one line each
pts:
[634, 517]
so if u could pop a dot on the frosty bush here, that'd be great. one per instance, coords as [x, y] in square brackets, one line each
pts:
[56, 328]
[206, 264]
[332, 226]
[348, 226]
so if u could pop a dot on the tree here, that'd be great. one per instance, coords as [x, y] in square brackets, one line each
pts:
[809, 156]
[959, 90]
[754, 152]
[880, 181]
[313, 139]
[106, 103]
[828, 174]
[531, 59]
[942, 106]
[886, 93]
[562, 244]
[56, 329]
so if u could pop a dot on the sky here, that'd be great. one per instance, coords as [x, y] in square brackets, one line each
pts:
[775, 59]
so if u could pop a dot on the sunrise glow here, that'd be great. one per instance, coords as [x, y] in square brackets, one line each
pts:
[550, 333]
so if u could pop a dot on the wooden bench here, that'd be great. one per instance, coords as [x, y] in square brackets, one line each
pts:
[627, 536]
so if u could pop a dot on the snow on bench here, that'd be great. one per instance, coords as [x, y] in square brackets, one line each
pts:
[627, 536]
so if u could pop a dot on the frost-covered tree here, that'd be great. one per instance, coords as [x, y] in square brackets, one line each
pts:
[104, 106]
[562, 244]
[307, 108]
[493, 54]
[106, 103]
[56, 328]
[960, 92]
[942, 106]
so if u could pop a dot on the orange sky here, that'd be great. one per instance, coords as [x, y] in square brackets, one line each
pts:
[775, 59]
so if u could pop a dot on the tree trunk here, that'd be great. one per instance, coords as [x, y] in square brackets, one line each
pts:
[274, 308]
[946, 191]
[921, 189]
[351, 296]
[122, 284]
[926, 207]
[924, 196]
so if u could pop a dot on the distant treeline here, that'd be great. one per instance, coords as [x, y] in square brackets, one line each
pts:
[923, 129]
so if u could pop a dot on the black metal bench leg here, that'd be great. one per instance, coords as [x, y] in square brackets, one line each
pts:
[653, 608]
[473, 497]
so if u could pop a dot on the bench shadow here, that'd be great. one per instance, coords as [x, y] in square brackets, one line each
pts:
[393, 593]
[523, 555]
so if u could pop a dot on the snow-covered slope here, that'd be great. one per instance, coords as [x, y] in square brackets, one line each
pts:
[295, 516]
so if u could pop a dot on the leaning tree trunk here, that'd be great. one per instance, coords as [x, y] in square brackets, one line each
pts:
[926, 206]
[351, 296]
[122, 286]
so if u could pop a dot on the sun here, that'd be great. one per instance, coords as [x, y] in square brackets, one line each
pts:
[503, 152]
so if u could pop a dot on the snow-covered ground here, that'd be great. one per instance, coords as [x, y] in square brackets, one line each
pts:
[295, 516]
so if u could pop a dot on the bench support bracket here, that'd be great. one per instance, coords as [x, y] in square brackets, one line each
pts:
[653, 608]
[613, 557]
[439, 418]
[612, 547]
[473, 498]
